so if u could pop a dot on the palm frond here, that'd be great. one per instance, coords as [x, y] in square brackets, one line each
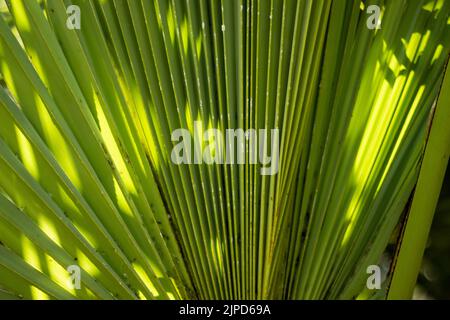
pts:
[87, 116]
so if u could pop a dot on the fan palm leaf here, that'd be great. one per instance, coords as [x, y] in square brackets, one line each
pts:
[86, 137]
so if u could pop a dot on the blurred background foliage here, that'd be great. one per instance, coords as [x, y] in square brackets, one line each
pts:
[434, 278]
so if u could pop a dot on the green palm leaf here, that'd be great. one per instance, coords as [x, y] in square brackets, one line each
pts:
[87, 116]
